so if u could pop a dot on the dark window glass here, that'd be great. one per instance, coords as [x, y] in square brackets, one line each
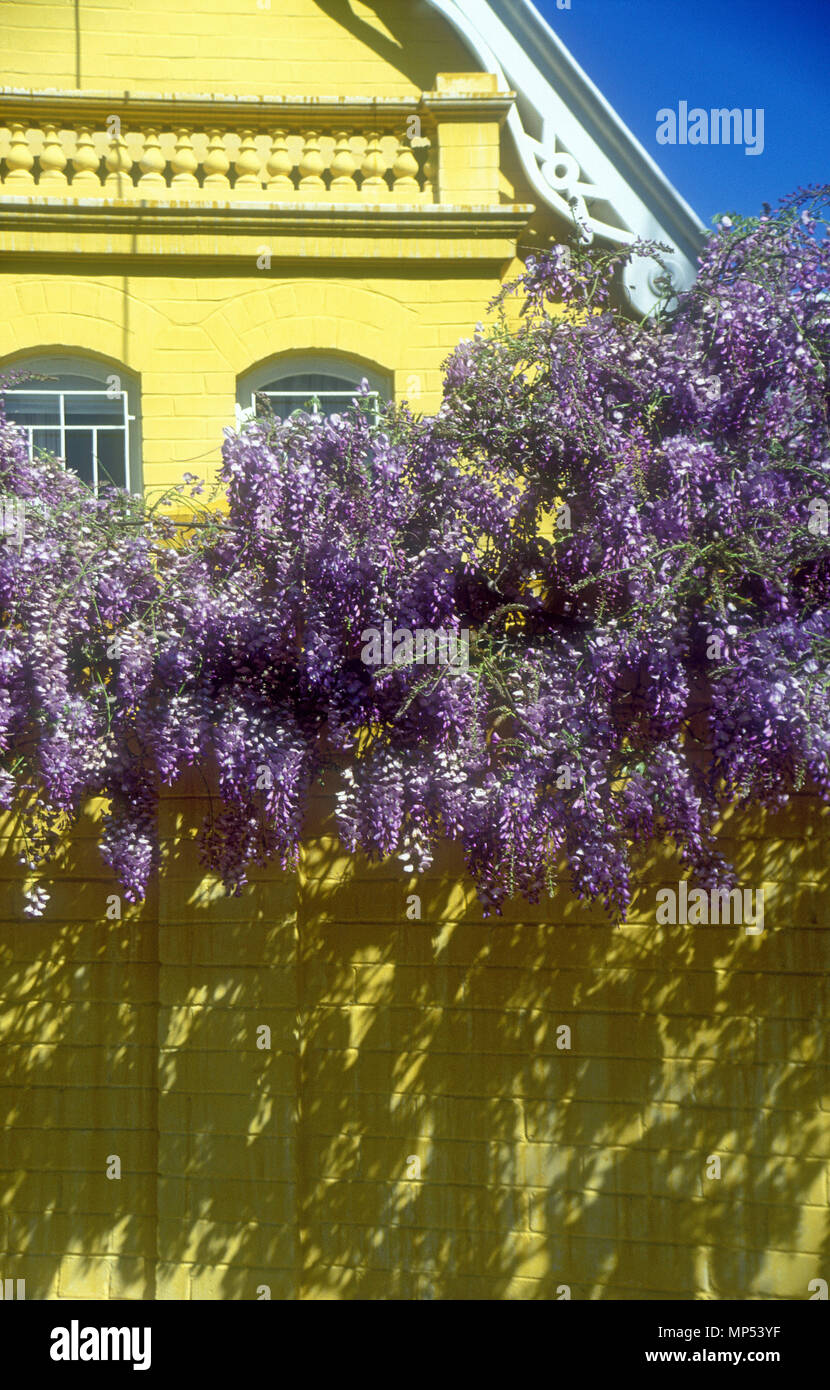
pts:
[30, 409]
[50, 440]
[317, 393]
[111, 467]
[93, 410]
[79, 454]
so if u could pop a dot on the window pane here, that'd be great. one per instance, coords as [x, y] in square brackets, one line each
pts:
[31, 409]
[47, 439]
[331, 402]
[78, 401]
[93, 410]
[311, 382]
[66, 381]
[322, 404]
[79, 454]
[111, 463]
[283, 406]
[315, 393]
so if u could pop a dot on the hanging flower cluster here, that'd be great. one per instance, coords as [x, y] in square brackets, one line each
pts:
[627, 523]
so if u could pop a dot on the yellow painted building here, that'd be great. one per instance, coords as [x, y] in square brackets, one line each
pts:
[203, 202]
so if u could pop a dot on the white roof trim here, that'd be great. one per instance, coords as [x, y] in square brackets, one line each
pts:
[586, 159]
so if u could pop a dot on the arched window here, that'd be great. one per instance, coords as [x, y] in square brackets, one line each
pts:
[84, 412]
[317, 385]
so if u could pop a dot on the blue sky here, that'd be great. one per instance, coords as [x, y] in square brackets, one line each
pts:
[644, 55]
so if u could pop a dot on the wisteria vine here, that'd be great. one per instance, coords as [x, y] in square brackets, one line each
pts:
[630, 518]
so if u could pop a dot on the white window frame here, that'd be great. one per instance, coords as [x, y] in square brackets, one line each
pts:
[282, 368]
[62, 428]
[97, 374]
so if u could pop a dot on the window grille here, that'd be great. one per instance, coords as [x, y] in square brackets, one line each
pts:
[89, 430]
[320, 396]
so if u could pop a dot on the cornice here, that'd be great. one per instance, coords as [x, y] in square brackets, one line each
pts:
[258, 113]
[37, 226]
[92, 213]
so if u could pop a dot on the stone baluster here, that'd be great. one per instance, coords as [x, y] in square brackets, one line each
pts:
[311, 165]
[373, 167]
[119, 162]
[152, 163]
[405, 171]
[52, 161]
[19, 161]
[85, 162]
[429, 173]
[247, 165]
[184, 164]
[216, 165]
[343, 167]
[279, 166]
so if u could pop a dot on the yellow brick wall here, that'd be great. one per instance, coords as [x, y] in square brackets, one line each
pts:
[394, 1039]
[229, 47]
[189, 335]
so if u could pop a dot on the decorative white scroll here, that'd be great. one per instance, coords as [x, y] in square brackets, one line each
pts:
[586, 162]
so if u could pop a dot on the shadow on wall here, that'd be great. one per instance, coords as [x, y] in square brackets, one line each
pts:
[412, 38]
[543, 1166]
[78, 1030]
[422, 1124]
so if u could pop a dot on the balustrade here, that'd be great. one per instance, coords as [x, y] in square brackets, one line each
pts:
[135, 157]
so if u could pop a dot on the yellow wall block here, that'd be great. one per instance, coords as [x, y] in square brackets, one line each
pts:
[415, 1128]
[229, 47]
[189, 352]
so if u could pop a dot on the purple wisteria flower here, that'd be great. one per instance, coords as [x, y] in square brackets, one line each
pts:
[630, 519]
